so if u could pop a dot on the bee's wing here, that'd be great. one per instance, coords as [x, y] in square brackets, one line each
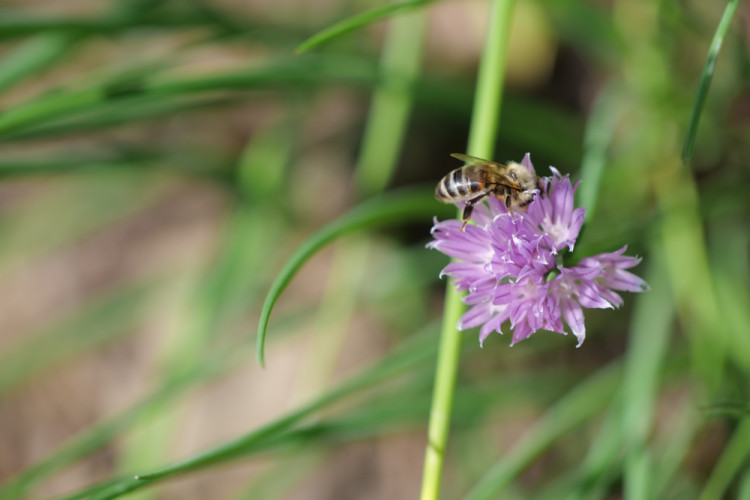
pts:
[486, 171]
[473, 160]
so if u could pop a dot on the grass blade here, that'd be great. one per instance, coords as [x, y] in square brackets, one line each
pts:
[705, 82]
[357, 21]
[629, 419]
[120, 112]
[78, 164]
[649, 335]
[32, 57]
[391, 105]
[293, 73]
[418, 349]
[730, 463]
[578, 405]
[96, 436]
[416, 204]
[598, 135]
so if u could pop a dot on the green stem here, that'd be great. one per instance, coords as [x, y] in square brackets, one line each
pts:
[442, 397]
[484, 126]
[488, 98]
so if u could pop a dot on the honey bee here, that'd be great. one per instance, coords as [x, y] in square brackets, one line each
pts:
[479, 178]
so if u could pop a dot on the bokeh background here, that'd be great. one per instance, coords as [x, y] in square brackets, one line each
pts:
[160, 160]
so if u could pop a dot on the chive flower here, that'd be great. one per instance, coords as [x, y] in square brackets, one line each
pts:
[512, 267]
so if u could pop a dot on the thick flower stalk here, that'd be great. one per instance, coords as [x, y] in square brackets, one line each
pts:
[511, 265]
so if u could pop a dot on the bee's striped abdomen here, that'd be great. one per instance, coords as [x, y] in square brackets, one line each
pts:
[457, 187]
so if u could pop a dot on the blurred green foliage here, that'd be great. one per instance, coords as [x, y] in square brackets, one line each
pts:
[162, 161]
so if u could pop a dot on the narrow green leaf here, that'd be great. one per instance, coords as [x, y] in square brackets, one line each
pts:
[94, 437]
[97, 435]
[269, 146]
[649, 337]
[283, 478]
[76, 164]
[730, 463]
[33, 57]
[13, 24]
[418, 349]
[119, 112]
[599, 130]
[391, 104]
[292, 73]
[743, 490]
[92, 492]
[599, 468]
[578, 405]
[674, 449]
[137, 15]
[705, 82]
[415, 204]
[357, 21]
[224, 293]
[629, 419]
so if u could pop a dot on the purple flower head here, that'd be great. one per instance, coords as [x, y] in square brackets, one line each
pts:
[510, 265]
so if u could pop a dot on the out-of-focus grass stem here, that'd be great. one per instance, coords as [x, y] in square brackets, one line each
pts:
[598, 135]
[227, 282]
[419, 349]
[358, 21]
[647, 349]
[743, 490]
[333, 317]
[482, 137]
[578, 405]
[384, 134]
[705, 82]
[729, 464]
[391, 104]
[676, 191]
[682, 240]
[32, 57]
[674, 449]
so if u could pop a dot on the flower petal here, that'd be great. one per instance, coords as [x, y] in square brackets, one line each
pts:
[493, 325]
[475, 316]
[623, 280]
[526, 162]
[573, 315]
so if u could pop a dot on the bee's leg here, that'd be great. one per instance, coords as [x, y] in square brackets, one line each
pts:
[468, 209]
[466, 214]
[507, 198]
